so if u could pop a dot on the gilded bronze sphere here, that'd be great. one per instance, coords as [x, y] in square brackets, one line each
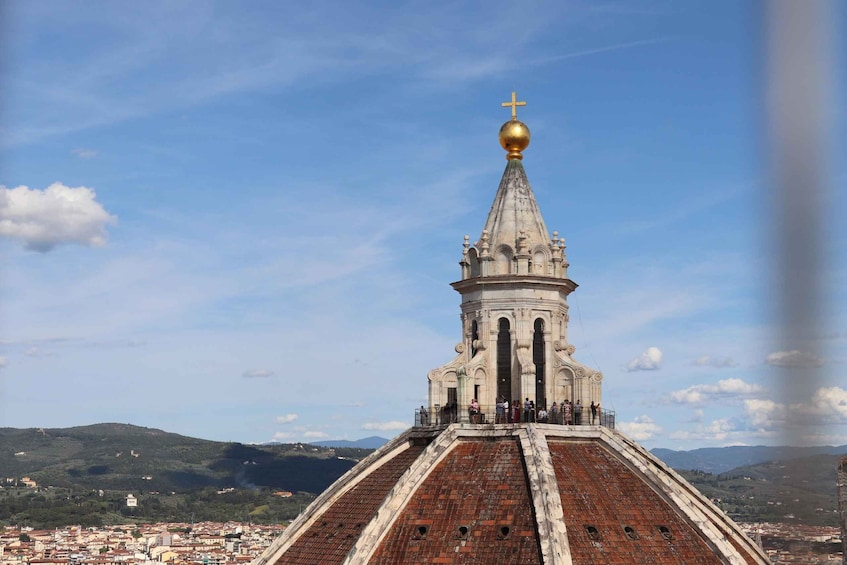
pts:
[514, 137]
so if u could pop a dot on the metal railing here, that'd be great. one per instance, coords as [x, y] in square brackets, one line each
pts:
[449, 414]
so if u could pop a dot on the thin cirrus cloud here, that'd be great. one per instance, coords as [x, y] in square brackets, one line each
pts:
[59, 214]
[650, 360]
[385, 426]
[257, 374]
[83, 153]
[716, 362]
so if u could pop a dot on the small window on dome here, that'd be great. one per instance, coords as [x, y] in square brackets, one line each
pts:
[503, 532]
[666, 532]
[592, 532]
[420, 532]
[630, 532]
[462, 532]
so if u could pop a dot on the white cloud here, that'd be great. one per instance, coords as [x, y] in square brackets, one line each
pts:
[699, 394]
[718, 430]
[43, 219]
[84, 153]
[640, 429]
[385, 426]
[716, 361]
[650, 360]
[793, 358]
[830, 403]
[827, 406]
[315, 435]
[3, 362]
[257, 373]
[286, 419]
[763, 413]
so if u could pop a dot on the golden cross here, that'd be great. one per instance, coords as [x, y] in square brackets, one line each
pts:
[514, 104]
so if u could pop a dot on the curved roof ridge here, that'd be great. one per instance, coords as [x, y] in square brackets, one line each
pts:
[347, 481]
[396, 501]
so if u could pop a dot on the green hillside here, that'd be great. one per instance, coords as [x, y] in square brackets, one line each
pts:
[132, 458]
[84, 474]
[799, 490]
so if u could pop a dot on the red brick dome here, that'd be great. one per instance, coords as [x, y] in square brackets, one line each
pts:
[522, 494]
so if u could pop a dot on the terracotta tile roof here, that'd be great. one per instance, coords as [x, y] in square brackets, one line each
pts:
[631, 522]
[512, 494]
[475, 507]
[335, 531]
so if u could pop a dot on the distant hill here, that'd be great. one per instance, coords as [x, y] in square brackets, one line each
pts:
[133, 458]
[372, 442]
[718, 460]
[797, 490]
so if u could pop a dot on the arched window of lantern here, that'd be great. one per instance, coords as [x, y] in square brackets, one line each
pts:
[539, 358]
[504, 359]
[473, 257]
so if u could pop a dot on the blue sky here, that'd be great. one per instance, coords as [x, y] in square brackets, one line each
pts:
[240, 221]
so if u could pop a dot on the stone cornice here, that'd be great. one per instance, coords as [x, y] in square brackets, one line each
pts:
[548, 283]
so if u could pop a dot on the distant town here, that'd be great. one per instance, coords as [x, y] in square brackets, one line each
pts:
[231, 543]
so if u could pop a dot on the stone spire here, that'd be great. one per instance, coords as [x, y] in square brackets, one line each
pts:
[514, 240]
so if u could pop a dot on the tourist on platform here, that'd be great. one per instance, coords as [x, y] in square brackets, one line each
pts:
[593, 412]
[500, 413]
[542, 415]
[516, 411]
[577, 413]
[566, 412]
[473, 410]
[555, 415]
[527, 406]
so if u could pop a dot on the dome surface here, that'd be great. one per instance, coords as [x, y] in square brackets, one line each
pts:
[512, 494]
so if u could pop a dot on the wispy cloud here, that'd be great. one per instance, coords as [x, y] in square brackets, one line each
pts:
[715, 361]
[393, 425]
[83, 153]
[721, 430]
[599, 50]
[257, 374]
[793, 358]
[726, 388]
[287, 419]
